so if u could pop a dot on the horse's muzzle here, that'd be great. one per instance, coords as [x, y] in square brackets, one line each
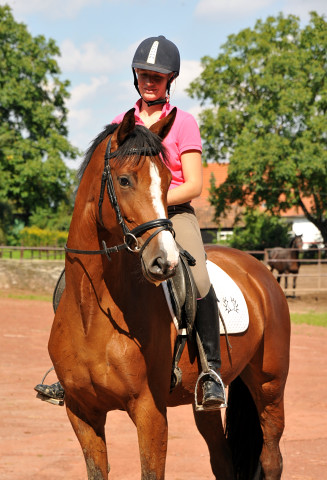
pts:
[159, 266]
[160, 270]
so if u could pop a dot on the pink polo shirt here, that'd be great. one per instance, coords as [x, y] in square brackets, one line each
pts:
[183, 136]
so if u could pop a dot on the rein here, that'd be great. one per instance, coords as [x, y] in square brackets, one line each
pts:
[130, 236]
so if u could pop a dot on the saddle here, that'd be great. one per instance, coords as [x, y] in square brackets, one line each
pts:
[182, 294]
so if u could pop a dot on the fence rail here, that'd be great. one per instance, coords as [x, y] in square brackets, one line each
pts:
[312, 272]
[312, 276]
[30, 253]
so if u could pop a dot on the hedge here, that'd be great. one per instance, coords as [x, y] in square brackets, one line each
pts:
[38, 237]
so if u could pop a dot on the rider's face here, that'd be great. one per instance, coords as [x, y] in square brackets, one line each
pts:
[152, 85]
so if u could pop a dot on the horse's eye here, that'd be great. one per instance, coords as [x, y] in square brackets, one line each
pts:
[124, 182]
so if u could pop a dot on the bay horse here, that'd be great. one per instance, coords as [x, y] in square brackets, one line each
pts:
[113, 337]
[286, 261]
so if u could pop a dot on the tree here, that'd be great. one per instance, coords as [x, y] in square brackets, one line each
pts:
[265, 102]
[33, 116]
[260, 231]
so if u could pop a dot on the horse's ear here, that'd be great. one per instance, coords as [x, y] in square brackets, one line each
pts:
[126, 127]
[164, 125]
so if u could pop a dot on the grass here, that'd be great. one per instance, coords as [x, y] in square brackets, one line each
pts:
[310, 318]
[26, 296]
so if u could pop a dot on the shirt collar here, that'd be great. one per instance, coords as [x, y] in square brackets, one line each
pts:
[164, 112]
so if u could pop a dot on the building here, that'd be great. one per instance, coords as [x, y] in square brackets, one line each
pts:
[209, 228]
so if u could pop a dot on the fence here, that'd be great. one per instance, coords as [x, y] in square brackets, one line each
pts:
[30, 253]
[312, 272]
[311, 278]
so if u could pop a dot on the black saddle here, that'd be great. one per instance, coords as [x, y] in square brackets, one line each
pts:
[58, 291]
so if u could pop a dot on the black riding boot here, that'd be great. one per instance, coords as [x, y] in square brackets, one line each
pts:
[207, 326]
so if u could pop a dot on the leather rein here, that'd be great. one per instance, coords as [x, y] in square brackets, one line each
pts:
[131, 242]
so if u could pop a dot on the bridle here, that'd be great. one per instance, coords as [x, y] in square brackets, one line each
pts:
[131, 242]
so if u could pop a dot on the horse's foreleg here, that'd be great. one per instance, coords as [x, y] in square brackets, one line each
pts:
[294, 284]
[210, 426]
[91, 435]
[152, 431]
[286, 281]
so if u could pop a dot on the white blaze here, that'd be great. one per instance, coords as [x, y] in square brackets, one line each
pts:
[165, 238]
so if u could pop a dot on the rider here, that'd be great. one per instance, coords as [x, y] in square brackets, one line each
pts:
[155, 65]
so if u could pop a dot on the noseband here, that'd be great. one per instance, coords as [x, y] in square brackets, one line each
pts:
[130, 236]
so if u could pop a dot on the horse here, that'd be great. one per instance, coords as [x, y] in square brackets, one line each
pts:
[112, 339]
[286, 260]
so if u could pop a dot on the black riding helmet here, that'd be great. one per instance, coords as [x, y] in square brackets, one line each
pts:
[159, 55]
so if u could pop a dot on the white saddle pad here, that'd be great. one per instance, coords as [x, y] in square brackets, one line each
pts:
[231, 301]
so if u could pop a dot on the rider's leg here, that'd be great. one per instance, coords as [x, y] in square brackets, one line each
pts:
[207, 326]
[188, 235]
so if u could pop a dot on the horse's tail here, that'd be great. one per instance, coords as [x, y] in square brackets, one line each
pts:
[243, 432]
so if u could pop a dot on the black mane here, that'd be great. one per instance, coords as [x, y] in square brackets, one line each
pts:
[140, 138]
[108, 130]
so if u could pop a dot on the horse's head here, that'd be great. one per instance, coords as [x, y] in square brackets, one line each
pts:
[297, 242]
[140, 181]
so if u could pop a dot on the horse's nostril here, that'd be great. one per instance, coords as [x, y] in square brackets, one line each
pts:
[159, 265]
[162, 267]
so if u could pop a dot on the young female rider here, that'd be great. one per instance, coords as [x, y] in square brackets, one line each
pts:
[155, 65]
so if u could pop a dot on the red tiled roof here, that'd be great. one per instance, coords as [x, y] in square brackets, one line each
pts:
[205, 211]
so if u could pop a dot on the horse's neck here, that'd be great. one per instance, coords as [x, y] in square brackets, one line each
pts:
[294, 253]
[85, 234]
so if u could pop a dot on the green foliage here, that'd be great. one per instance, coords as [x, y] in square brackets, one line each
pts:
[33, 116]
[265, 103]
[37, 237]
[54, 220]
[2, 236]
[261, 231]
[12, 236]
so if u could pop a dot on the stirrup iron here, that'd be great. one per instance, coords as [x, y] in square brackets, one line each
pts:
[45, 398]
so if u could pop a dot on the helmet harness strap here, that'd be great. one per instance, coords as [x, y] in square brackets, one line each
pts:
[160, 101]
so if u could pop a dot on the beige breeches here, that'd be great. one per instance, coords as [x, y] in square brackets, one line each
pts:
[188, 236]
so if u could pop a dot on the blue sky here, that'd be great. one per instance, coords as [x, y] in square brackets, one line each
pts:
[97, 39]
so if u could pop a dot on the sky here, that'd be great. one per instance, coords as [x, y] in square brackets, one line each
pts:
[98, 38]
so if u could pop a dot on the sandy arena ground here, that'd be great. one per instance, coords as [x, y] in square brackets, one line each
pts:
[37, 441]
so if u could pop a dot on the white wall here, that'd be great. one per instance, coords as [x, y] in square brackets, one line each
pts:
[302, 226]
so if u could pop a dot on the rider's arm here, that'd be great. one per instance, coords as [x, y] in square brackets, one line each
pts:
[192, 186]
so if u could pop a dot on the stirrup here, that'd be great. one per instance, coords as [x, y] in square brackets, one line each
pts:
[198, 406]
[53, 401]
[45, 398]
